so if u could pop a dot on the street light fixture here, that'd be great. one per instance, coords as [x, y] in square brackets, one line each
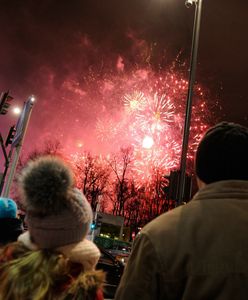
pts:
[189, 3]
[17, 141]
[193, 61]
[17, 110]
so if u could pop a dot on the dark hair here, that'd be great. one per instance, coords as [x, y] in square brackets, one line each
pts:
[223, 153]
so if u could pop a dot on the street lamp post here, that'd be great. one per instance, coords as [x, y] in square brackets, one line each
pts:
[192, 69]
[17, 142]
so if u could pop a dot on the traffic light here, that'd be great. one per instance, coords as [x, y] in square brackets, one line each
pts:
[93, 225]
[5, 103]
[98, 221]
[10, 136]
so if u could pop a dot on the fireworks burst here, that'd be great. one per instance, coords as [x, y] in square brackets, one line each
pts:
[144, 110]
[159, 157]
[157, 113]
[134, 102]
[152, 120]
[106, 129]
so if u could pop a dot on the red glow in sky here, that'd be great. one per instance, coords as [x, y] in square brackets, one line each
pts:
[99, 89]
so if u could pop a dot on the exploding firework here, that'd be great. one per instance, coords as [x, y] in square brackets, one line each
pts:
[152, 120]
[106, 129]
[161, 158]
[157, 113]
[134, 102]
[140, 108]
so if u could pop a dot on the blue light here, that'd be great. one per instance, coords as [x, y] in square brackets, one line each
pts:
[93, 226]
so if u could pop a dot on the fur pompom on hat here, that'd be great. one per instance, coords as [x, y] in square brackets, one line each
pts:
[57, 214]
[45, 185]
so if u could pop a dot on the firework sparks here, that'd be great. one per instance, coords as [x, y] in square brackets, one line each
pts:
[161, 158]
[106, 129]
[153, 118]
[157, 113]
[143, 109]
[134, 102]
[147, 142]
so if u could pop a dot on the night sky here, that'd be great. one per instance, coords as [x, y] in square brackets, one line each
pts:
[59, 51]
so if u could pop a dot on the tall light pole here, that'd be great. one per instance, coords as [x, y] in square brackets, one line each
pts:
[192, 69]
[18, 139]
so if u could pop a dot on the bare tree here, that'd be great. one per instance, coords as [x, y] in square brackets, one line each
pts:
[92, 177]
[133, 208]
[121, 167]
[50, 147]
[147, 201]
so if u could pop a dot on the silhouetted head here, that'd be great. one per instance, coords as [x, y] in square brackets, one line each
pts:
[223, 154]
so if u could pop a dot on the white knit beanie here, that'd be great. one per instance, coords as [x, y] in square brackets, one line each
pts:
[57, 213]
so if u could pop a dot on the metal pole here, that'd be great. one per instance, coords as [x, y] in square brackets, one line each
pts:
[5, 171]
[16, 155]
[2, 179]
[98, 205]
[193, 61]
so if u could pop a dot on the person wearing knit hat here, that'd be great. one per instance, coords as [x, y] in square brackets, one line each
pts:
[58, 217]
[222, 154]
[199, 250]
[11, 226]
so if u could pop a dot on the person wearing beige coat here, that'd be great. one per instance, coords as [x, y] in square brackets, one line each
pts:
[199, 250]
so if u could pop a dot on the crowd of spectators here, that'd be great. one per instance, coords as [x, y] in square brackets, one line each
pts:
[196, 251]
